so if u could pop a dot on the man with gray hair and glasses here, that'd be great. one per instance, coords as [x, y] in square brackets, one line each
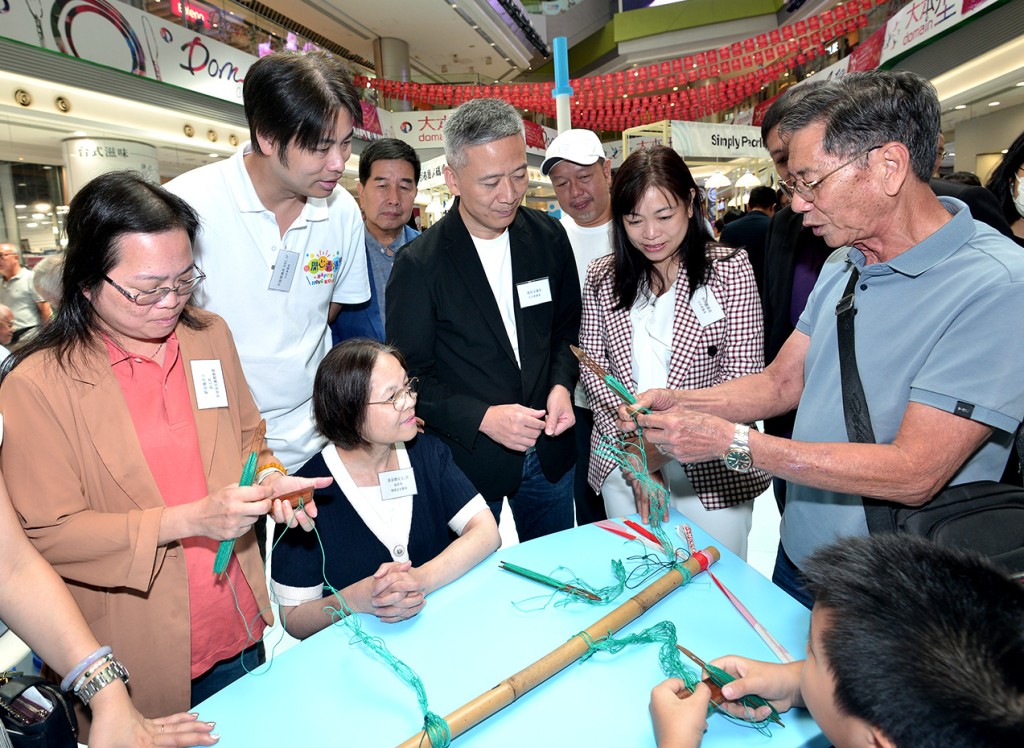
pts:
[484, 306]
[938, 298]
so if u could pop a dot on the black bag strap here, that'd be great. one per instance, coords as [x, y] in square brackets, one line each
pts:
[855, 405]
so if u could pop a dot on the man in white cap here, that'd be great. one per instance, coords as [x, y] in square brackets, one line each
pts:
[582, 178]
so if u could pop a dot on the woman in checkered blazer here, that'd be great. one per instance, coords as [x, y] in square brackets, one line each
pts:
[670, 308]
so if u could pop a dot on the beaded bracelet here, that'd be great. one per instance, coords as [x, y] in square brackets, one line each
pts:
[113, 671]
[65, 685]
[271, 467]
[92, 670]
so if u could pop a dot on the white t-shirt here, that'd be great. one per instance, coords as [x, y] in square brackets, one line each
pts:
[281, 335]
[496, 257]
[588, 244]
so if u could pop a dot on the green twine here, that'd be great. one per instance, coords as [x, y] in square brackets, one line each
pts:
[434, 726]
[619, 451]
[224, 550]
[561, 599]
[672, 665]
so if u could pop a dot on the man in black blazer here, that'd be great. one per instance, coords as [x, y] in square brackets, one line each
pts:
[749, 232]
[484, 306]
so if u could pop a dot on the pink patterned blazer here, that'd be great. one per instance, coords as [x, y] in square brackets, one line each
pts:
[701, 357]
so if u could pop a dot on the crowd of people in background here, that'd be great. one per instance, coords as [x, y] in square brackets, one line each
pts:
[408, 384]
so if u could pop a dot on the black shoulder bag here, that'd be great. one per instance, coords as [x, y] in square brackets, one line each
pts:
[986, 517]
[35, 713]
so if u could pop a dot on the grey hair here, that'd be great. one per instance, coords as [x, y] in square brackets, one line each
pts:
[862, 110]
[47, 278]
[478, 122]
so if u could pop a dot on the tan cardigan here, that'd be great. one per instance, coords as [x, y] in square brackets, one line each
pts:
[79, 481]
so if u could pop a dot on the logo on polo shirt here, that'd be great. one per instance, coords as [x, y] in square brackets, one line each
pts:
[320, 268]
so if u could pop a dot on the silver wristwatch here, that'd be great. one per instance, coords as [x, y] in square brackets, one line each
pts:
[737, 457]
[104, 678]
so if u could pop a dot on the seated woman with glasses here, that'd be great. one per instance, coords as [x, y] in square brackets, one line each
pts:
[127, 423]
[386, 525]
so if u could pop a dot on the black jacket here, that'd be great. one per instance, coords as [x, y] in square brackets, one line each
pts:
[442, 315]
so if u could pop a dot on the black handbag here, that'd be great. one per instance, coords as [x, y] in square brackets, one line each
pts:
[986, 517]
[36, 713]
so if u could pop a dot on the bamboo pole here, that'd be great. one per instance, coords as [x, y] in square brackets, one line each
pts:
[510, 689]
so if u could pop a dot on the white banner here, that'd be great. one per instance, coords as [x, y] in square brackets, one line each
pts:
[705, 140]
[920, 20]
[116, 35]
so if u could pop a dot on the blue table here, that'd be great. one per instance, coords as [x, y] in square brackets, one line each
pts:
[470, 637]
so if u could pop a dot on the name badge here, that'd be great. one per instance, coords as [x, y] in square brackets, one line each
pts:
[706, 306]
[394, 484]
[208, 380]
[284, 270]
[532, 293]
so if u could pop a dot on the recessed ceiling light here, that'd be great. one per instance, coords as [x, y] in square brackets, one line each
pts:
[1004, 151]
[213, 155]
[960, 106]
[993, 103]
[79, 133]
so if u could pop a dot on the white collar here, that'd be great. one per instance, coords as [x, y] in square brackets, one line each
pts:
[390, 521]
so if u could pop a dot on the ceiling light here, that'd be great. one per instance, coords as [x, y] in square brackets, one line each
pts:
[42, 207]
[960, 106]
[31, 225]
[79, 133]
[1020, 85]
[993, 103]
[213, 155]
[748, 181]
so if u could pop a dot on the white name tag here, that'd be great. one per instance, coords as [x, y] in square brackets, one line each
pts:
[706, 306]
[284, 270]
[208, 380]
[532, 293]
[394, 484]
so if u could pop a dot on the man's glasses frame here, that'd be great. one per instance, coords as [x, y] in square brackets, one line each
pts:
[797, 186]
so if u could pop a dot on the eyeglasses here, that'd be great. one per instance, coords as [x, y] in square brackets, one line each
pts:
[401, 398]
[797, 186]
[148, 298]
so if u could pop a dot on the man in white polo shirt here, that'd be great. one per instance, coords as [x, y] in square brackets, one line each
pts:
[582, 178]
[282, 249]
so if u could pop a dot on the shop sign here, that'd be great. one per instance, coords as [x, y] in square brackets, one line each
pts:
[920, 20]
[702, 139]
[119, 36]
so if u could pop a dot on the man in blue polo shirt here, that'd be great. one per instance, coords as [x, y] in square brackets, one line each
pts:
[938, 304]
[389, 171]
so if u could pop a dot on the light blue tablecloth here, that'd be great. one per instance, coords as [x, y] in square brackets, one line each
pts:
[470, 637]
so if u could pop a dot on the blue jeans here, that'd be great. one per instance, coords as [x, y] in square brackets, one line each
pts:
[539, 506]
[787, 576]
[226, 672]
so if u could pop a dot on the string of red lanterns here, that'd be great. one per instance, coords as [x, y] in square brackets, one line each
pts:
[616, 101]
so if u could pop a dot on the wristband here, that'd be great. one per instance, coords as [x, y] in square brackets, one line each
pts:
[65, 685]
